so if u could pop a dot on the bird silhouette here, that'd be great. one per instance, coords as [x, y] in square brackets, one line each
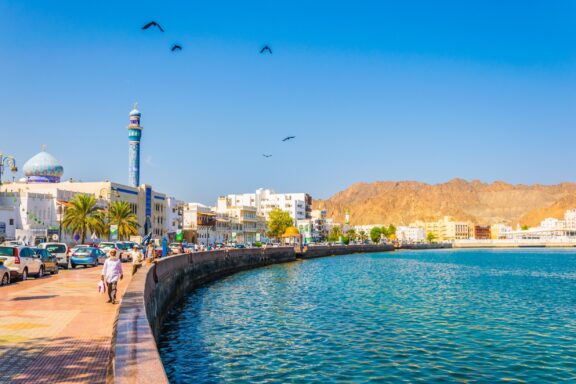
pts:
[266, 48]
[267, 156]
[175, 47]
[153, 24]
[289, 138]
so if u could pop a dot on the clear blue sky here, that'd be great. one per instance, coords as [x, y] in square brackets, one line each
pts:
[373, 90]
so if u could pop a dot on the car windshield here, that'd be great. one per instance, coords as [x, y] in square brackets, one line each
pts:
[56, 248]
[107, 245]
[124, 246]
[6, 251]
[83, 250]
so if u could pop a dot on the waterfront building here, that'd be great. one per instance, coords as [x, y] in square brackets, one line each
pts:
[446, 229]
[500, 231]
[247, 226]
[320, 225]
[299, 205]
[199, 224]
[174, 217]
[482, 232]
[306, 229]
[410, 234]
[148, 205]
[134, 137]
[570, 219]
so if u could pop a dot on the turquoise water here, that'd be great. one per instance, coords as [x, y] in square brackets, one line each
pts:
[411, 316]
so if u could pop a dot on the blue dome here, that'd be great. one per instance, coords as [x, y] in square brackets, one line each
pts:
[135, 112]
[43, 168]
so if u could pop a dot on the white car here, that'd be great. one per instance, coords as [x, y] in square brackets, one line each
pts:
[21, 261]
[60, 250]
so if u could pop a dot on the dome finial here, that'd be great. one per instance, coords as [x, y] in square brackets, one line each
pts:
[44, 147]
[136, 105]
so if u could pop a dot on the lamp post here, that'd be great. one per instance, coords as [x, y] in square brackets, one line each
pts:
[6, 160]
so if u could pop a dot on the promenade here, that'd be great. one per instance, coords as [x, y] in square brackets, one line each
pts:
[57, 329]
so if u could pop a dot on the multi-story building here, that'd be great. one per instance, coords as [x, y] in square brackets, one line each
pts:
[446, 229]
[410, 234]
[500, 231]
[570, 219]
[482, 232]
[245, 224]
[199, 224]
[43, 174]
[299, 205]
[320, 225]
[174, 217]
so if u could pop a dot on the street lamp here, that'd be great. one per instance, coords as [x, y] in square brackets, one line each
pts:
[6, 160]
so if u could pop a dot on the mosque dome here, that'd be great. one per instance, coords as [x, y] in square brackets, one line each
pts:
[43, 168]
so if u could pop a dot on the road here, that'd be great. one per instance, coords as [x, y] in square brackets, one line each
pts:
[57, 329]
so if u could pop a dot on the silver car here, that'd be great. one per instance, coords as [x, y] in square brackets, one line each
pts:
[4, 274]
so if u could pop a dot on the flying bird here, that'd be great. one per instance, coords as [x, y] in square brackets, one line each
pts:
[153, 24]
[175, 47]
[289, 138]
[267, 156]
[266, 48]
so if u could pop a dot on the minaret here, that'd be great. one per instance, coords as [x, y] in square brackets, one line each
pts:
[134, 136]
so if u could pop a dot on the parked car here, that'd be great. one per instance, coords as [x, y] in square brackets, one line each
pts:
[49, 262]
[176, 248]
[125, 247]
[4, 274]
[21, 261]
[122, 249]
[60, 251]
[86, 256]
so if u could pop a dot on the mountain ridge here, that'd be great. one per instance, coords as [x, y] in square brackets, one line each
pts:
[403, 202]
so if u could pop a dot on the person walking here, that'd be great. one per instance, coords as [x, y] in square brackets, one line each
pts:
[111, 273]
[137, 257]
[150, 253]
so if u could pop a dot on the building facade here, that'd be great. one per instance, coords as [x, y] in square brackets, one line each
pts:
[299, 205]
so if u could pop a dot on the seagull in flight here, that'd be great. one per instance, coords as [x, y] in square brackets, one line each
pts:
[266, 48]
[288, 138]
[153, 24]
[267, 156]
[176, 47]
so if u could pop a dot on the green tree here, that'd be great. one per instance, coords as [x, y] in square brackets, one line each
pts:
[376, 234]
[351, 234]
[362, 236]
[121, 214]
[345, 240]
[525, 227]
[335, 234]
[82, 216]
[430, 236]
[278, 222]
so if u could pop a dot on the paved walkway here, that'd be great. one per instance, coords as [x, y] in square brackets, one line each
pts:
[57, 329]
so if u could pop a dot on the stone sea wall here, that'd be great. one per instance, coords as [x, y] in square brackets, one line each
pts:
[154, 290]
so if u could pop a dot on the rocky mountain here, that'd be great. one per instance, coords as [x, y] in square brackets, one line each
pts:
[402, 202]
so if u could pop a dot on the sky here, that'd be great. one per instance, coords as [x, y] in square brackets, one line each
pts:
[373, 90]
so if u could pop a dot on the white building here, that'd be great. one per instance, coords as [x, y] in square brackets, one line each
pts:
[410, 234]
[43, 174]
[500, 231]
[246, 225]
[299, 205]
[174, 217]
[199, 222]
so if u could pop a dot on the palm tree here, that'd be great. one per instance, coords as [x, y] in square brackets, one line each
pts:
[83, 216]
[121, 214]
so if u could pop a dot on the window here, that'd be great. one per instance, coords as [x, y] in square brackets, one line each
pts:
[11, 221]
